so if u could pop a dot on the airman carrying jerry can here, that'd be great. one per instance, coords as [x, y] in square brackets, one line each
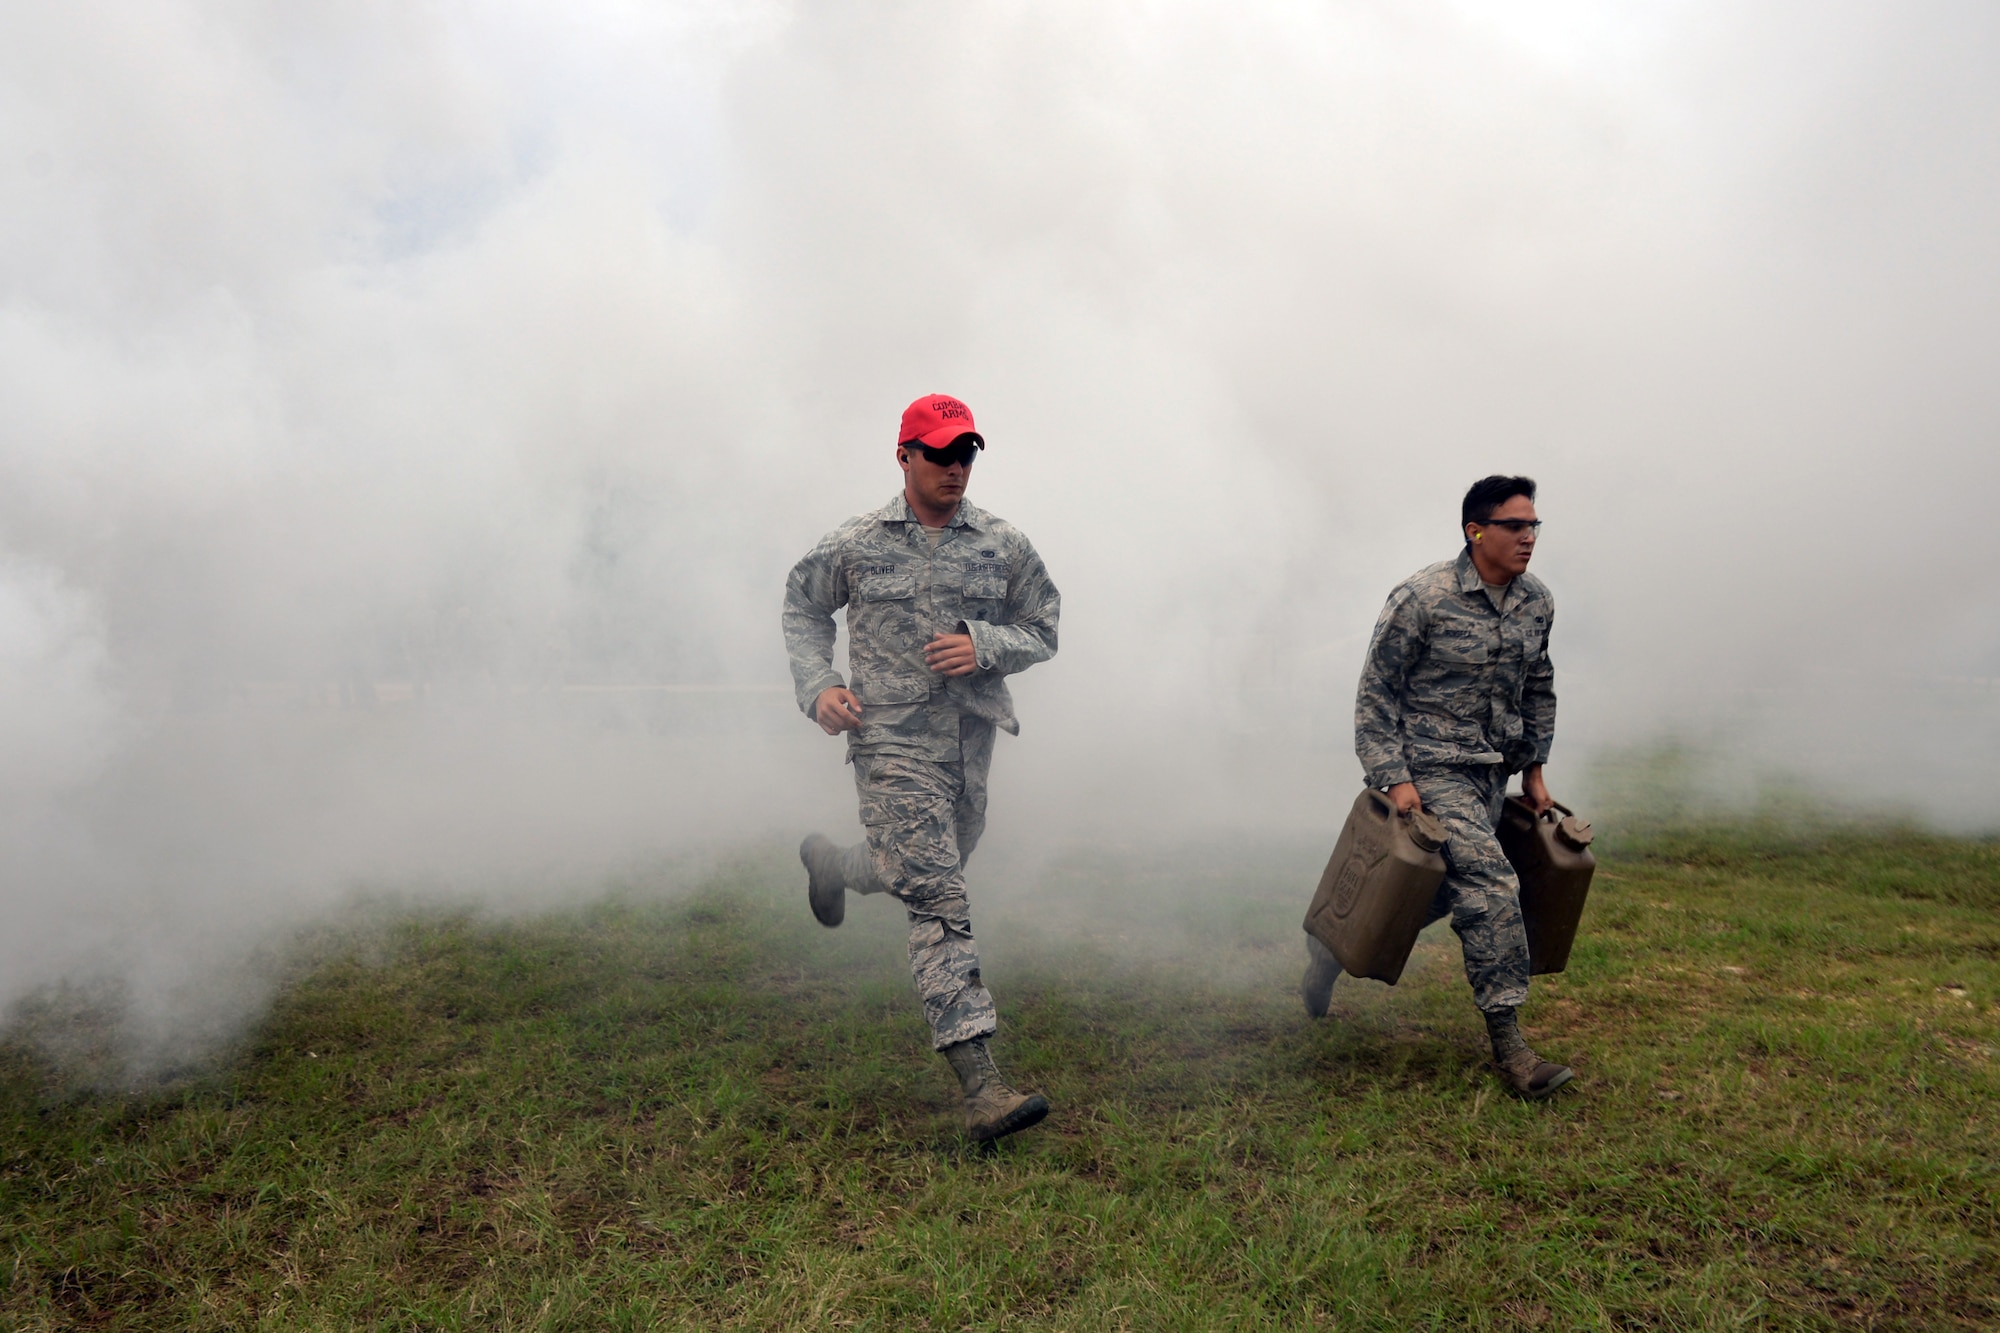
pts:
[1376, 893]
[1551, 857]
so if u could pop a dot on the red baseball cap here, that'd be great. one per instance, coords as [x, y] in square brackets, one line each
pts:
[935, 420]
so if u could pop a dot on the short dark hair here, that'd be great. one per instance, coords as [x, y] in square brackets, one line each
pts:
[1488, 494]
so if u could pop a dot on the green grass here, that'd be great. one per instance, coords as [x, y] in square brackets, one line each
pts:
[703, 1111]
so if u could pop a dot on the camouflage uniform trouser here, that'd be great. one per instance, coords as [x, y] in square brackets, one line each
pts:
[923, 819]
[1479, 893]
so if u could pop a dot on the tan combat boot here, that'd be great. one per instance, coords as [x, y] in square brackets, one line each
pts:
[1322, 970]
[992, 1109]
[1520, 1068]
[826, 882]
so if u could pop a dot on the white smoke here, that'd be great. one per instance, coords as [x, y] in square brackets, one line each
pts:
[411, 410]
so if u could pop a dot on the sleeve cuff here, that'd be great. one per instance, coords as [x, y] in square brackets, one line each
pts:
[809, 696]
[982, 647]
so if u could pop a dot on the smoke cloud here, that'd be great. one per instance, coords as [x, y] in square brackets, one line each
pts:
[411, 411]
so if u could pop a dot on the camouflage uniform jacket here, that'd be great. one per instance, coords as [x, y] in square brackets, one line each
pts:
[1450, 681]
[984, 579]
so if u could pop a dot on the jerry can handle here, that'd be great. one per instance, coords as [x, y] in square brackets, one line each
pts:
[1382, 805]
[1582, 837]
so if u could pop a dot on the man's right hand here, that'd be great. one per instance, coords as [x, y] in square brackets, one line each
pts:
[1404, 794]
[837, 710]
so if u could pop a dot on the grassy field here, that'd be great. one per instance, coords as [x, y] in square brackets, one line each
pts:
[700, 1110]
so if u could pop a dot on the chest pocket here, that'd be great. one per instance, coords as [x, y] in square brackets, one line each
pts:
[986, 582]
[1463, 652]
[885, 586]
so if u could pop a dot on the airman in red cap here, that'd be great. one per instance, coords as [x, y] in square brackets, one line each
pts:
[944, 601]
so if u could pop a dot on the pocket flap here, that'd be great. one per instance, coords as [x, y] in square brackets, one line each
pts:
[1470, 651]
[885, 586]
[986, 581]
[1430, 727]
[893, 690]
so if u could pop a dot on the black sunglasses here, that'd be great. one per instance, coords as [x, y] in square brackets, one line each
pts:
[961, 450]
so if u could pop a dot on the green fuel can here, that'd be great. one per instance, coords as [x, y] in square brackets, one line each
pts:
[1551, 857]
[1377, 889]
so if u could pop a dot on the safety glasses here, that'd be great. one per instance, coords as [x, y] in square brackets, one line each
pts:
[961, 450]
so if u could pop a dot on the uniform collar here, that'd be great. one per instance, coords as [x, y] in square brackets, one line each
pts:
[898, 511]
[1469, 580]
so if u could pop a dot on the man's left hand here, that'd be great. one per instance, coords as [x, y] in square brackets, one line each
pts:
[951, 655]
[1535, 790]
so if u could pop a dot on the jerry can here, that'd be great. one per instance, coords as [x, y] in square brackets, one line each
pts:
[1375, 895]
[1551, 856]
